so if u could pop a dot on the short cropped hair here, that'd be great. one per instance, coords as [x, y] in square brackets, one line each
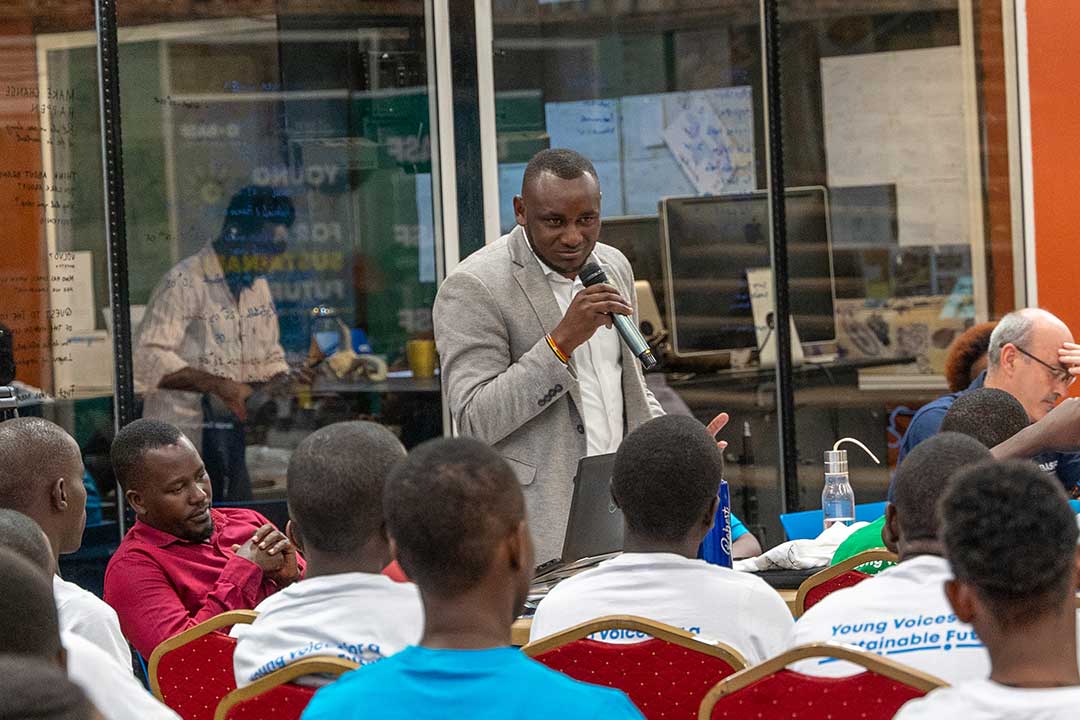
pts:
[447, 506]
[964, 352]
[1014, 328]
[28, 621]
[335, 484]
[254, 206]
[32, 450]
[560, 162]
[1010, 533]
[989, 415]
[923, 476]
[24, 537]
[135, 440]
[36, 689]
[665, 476]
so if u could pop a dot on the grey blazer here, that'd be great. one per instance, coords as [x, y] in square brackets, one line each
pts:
[506, 387]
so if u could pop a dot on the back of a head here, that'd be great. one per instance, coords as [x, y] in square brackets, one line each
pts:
[33, 451]
[989, 415]
[343, 465]
[965, 352]
[448, 505]
[561, 162]
[1009, 532]
[28, 622]
[136, 439]
[923, 476]
[25, 537]
[34, 689]
[665, 477]
[254, 206]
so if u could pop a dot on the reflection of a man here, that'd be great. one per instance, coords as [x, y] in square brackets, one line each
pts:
[211, 332]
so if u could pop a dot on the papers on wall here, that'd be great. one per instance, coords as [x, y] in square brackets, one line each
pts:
[759, 281]
[71, 288]
[425, 220]
[898, 118]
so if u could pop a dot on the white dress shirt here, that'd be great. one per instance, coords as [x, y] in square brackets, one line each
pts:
[193, 320]
[85, 614]
[361, 617]
[598, 363]
[901, 613]
[716, 603]
[112, 689]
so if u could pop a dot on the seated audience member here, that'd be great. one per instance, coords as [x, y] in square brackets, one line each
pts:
[902, 612]
[966, 359]
[456, 516]
[344, 606]
[1029, 358]
[39, 690]
[43, 478]
[989, 415]
[29, 628]
[665, 480]
[1011, 540]
[184, 561]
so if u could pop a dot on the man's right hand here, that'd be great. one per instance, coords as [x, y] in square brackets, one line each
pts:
[589, 309]
[234, 395]
[266, 548]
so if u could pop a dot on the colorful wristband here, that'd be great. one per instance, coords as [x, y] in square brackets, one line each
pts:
[555, 349]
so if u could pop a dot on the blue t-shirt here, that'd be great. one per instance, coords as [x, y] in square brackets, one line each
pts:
[927, 422]
[499, 683]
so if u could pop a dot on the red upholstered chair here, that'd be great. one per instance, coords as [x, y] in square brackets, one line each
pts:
[839, 576]
[770, 690]
[276, 695]
[191, 671]
[666, 676]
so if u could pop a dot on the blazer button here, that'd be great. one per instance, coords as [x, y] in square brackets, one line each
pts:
[581, 429]
[541, 402]
[558, 388]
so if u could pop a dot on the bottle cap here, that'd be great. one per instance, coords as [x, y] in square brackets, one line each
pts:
[835, 461]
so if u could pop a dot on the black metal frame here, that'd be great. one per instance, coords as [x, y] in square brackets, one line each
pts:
[467, 139]
[115, 227]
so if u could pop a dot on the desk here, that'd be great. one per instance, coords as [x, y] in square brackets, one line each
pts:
[519, 632]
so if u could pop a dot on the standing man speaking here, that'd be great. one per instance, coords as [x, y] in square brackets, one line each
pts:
[530, 360]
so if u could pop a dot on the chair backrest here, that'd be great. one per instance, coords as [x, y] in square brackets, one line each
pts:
[192, 671]
[276, 695]
[808, 524]
[839, 576]
[665, 676]
[772, 690]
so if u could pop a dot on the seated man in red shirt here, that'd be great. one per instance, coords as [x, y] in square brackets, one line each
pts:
[183, 562]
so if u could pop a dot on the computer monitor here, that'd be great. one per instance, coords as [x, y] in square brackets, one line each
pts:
[638, 237]
[708, 243]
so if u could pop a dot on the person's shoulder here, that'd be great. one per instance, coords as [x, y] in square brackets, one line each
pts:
[69, 594]
[492, 257]
[348, 690]
[943, 701]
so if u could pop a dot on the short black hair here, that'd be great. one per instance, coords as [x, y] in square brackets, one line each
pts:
[254, 206]
[32, 450]
[665, 476]
[924, 475]
[343, 465]
[561, 162]
[25, 537]
[36, 689]
[989, 415]
[1010, 533]
[135, 440]
[447, 506]
[28, 620]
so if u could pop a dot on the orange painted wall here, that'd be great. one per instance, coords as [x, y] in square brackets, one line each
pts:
[1054, 67]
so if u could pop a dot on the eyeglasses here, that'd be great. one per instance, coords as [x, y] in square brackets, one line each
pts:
[1060, 374]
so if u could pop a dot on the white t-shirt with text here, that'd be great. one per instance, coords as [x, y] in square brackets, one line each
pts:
[717, 603]
[85, 614]
[361, 617]
[988, 700]
[901, 613]
[110, 686]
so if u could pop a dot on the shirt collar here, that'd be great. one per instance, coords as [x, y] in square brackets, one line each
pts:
[549, 272]
[159, 538]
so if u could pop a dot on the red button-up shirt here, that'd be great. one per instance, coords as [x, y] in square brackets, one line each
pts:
[161, 585]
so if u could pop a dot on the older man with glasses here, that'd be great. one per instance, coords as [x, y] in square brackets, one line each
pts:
[1032, 357]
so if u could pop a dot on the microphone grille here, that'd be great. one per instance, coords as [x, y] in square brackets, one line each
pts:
[592, 274]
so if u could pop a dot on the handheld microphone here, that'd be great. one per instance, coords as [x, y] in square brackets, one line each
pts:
[592, 274]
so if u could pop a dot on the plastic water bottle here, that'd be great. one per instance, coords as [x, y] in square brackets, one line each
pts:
[838, 497]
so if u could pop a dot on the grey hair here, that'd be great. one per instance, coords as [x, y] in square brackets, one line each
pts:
[1014, 328]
